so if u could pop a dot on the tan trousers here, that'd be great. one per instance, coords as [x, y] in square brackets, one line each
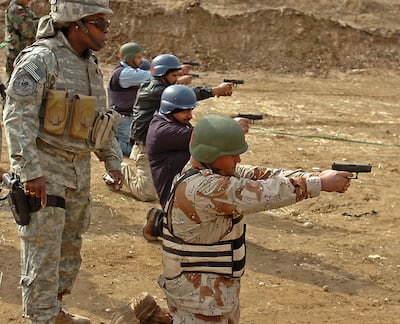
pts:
[140, 183]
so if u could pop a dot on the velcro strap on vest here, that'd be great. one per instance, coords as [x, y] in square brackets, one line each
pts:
[226, 257]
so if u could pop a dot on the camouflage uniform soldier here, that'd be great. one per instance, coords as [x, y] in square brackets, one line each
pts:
[2, 90]
[54, 116]
[203, 239]
[21, 25]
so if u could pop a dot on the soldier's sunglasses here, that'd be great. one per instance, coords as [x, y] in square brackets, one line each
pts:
[101, 24]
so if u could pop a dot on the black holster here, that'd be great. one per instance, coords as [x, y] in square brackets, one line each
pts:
[22, 205]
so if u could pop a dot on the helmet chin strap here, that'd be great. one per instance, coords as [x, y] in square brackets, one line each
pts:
[88, 34]
[215, 170]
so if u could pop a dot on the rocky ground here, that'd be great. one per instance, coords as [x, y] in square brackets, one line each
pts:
[324, 75]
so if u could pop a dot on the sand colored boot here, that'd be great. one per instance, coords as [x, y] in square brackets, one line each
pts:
[64, 317]
[152, 229]
[141, 310]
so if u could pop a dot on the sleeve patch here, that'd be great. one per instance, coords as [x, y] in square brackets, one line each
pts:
[34, 71]
[24, 85]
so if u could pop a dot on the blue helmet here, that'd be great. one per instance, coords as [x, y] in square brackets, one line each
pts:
[177, 97]
[145, 65]
[164, 63]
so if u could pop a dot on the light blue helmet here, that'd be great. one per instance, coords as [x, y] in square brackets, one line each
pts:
[177, 97]
[164, 63]
[145, 65]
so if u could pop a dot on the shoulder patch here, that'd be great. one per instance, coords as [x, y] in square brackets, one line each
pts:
[24, 85]
[34, 71]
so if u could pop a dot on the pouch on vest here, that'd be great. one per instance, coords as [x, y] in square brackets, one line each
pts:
[102, 130]
[82, 116]
[56, 112]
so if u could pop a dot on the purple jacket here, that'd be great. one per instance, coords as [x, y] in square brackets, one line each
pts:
[167, 144]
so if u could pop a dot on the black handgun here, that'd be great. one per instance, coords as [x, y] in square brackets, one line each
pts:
[192, 63]
[17, 199]
[234, 81]
[352, 167]
[194, 75]
[249, 116]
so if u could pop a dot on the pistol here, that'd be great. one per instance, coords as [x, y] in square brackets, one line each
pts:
[249, 116]
[192, 63]
[352, 167]
[194, 75]
[17, 199]
[234, 81]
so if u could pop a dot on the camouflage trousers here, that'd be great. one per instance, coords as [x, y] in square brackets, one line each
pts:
[140, 183]
[9, 67]
[202, 298]
[51, 243]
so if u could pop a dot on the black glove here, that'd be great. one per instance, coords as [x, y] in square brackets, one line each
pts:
[3, 91]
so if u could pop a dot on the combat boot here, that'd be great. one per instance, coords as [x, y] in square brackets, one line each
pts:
[149, 312]
[64, 317]
[152, 230]
[141, 310]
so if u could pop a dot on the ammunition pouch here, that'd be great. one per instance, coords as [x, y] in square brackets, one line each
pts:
[73, 117]
[104, 129]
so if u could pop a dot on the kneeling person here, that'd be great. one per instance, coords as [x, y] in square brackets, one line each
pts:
[203, 234]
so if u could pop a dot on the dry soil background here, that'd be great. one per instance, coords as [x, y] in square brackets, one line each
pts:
[325, 76]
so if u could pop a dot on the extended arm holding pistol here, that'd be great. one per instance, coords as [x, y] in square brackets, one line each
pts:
[352, 167]
[191, 64]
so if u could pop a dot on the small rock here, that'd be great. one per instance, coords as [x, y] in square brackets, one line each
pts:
[308, 225]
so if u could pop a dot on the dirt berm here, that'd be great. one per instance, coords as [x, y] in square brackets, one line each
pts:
[277, 36]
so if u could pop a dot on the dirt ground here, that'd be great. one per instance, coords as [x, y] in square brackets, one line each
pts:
[332, 259]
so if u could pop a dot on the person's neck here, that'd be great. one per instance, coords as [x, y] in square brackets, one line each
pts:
[74, 39]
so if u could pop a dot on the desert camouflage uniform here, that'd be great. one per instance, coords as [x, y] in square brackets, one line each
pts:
[21, 25]
[205, 211]
[140, 181]
[51, 243]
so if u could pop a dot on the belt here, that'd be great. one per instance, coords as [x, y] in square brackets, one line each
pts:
[55, 201]
[121, 111]
[52, 201]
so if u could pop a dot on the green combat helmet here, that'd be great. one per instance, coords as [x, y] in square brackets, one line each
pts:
[129, 51]
[215, 136]
[74, 10]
